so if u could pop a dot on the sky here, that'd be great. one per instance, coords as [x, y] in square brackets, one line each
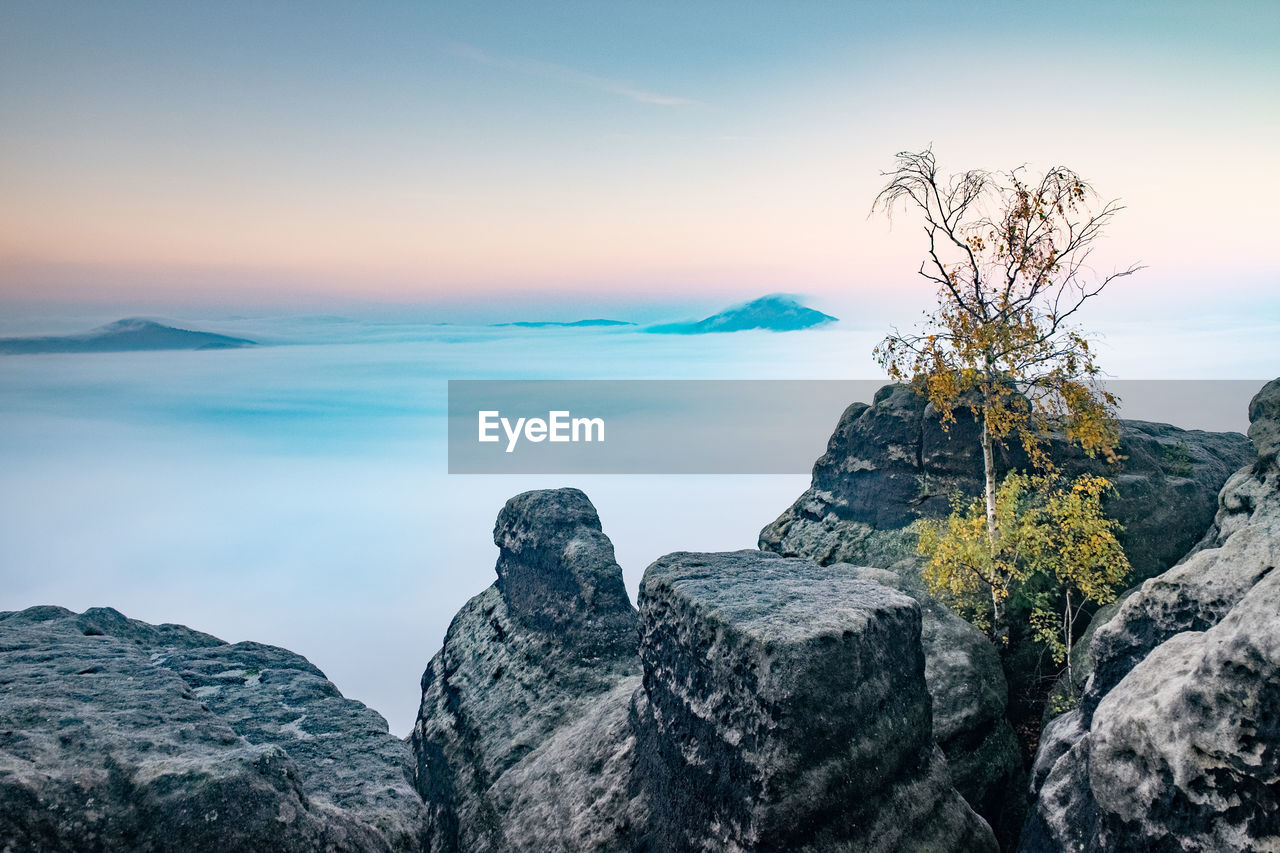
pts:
[579, 156]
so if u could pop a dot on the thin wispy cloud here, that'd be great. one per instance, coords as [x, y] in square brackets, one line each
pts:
[561, 73]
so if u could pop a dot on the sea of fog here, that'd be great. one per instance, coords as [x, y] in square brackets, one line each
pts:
[297, 493]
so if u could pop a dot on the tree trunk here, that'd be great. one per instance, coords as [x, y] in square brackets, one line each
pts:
[1067, 620]
[989, 473]
[993, 527]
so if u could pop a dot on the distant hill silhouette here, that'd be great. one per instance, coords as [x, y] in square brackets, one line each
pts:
[777, 313]
[129, 335]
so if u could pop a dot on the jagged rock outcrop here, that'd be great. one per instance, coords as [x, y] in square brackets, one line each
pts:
[1177, 743]
[784, 708]
[523, 663]
[890, 463]
[120, 735]
[754, 703]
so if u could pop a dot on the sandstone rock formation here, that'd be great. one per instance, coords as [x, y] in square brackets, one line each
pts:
[1177, 743]
[119, 735]
[754, 703]
[890, 463]
[784, 708]
[522, 663]
[967, 686]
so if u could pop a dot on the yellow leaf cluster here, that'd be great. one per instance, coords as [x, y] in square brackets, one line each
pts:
[1051, 531]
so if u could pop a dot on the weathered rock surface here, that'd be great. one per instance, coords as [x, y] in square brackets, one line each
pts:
[522, 663]
[1059, 735]
[890, 463]
[755, 703]
[1177, 744]
[1240, 549]
[119, 735]
[967, 686]
[784, 708]
[577, 791]
[886, 465]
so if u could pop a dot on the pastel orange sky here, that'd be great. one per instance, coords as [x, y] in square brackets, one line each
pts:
[426, 153]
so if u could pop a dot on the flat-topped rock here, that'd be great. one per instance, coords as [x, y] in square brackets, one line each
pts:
[967, 686]
[784, 708]
[773, 705]
[787, 602]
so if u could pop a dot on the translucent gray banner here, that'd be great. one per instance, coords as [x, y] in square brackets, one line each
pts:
[723, 426]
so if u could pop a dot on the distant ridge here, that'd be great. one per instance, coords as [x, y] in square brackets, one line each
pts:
[539, 324]
[129, 335]
[776, 312]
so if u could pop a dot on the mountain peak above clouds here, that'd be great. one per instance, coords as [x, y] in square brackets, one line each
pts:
[777, 312]
[131, 334]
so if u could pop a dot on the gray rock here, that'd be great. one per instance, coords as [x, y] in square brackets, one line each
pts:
[891, 463]
[577, 791]
[964, 677]
[522, 662]
[1179, 745]
[784, 708]
[1242, 547]
[1058, 736]
[1184, 753]
[542, 728]
[119, 735]
[556, 572]
[1264, 423]
[967, 687]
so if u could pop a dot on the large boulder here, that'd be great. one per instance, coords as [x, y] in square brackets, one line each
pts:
[1177, 743]
[120, 735]
[523, 662]
[890, 463]
[784, 708]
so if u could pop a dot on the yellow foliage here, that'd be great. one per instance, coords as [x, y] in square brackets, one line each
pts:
[1051, 531]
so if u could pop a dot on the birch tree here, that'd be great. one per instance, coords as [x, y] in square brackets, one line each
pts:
[1010, 257]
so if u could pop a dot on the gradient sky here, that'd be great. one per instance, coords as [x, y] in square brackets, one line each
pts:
[300, 153]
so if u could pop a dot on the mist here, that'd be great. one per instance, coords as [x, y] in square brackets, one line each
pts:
[296, 493]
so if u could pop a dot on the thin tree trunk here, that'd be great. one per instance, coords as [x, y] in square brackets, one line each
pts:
[1067, 620]
[993, 528]
[989, 473]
